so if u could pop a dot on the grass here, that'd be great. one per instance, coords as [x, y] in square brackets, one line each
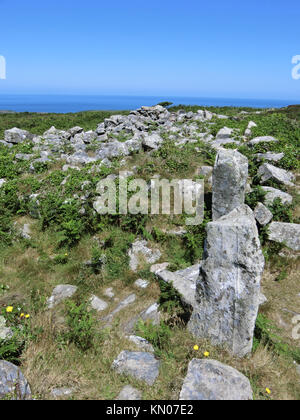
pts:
[72, 346]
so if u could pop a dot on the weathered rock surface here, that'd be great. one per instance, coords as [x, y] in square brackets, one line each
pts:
[13, 384]
[128, 393]
[141, 365]
[285, 233]
[184, 281]
[5, 332]
[141, 343]
[273, 193]
[140, 249]
[60, 293]
[142, 284]
[262, 214]
[268, 172]
[98, 304]
[272, 157]
[62, 392]
[15, 135]
[229, 182]
[228, 287]
[210, 380]
[263, 139]
[150, 314]
[122, 305]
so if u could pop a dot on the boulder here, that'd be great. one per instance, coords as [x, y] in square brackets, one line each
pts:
[273, 193]
[140, 365]
[285, 233]
[228, 287]
[98, 304]
[268, 172]
[229, 182]
[13, 384]
[15, 136]
[128, 393]
[272, 157]
[60, 293]
[152, 142]
[262, 214]
[210, 380]
[224, 133]
[262, 139]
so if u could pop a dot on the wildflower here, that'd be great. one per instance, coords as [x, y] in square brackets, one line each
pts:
[27, 316]
[22, 315]
[206, 354]
[268, 391]
[66, 254]
[9, 309]
[196, 347]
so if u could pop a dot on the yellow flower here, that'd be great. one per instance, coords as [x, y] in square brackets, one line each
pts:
[66, 254]
[206, 354]
[268, 391]
[27, 316]
[196, 347]
[21, 316]
[9, 309]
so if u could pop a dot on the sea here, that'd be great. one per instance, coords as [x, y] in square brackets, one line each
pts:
[76, 103]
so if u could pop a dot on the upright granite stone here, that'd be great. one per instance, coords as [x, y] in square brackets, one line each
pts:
[210, 380]
[229, 182]
[228, 287]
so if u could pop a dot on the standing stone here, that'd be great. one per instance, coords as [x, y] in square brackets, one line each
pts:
[13, 384]
[229, 182]
[228, 287]
[210, 380]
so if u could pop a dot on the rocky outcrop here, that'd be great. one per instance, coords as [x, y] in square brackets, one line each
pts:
[228, 288]
[210, 380]
[229, 182]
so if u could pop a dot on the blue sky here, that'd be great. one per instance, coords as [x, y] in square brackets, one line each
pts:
[206, 48]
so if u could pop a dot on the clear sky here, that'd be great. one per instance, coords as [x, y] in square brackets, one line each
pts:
[216, 48]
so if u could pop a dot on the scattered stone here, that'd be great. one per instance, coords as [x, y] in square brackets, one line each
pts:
[285, 233]
[60, 293]
[129, 393]
[5, 332]
[13, 384]
[109, 292]
[142, 284]
[61, 392]
[210, 380]
[228, 288]
[184, 281]
[128, 301]
[248, 131]
[224, 133]
[156, 268]
[262, 214]
[272, 157]
[268, 172]
[263, 139]
[140, 248]
[152, 142]
[150, 314]
[229, 182]
[273, 193]
[15, 135]
[141, 343]
[140, 365]
[98, 304]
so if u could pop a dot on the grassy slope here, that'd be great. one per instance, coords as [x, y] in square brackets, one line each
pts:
[32, 268]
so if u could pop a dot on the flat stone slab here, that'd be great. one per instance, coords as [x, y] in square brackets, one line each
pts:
[60, 293]
[141, 365]
[98, 304]
[285, 233]
[263, 139]
[13, 384]
[184, 281]
[210, 380]
[273, 193]
[128, 393]
[267, 172]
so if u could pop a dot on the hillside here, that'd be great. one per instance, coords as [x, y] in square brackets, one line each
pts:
[52, 234]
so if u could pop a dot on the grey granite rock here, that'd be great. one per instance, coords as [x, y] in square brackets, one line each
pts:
[262, 139]
[273, 193]
[262, 214]
[98, 304]
[13, 384]
[210, 380]
[128, 393]
[228, 287]
[272, 157]
[5, 332]
[60, 293]
[141, 365]
[285, 233]
[15, 135]
[229, 182]
[267, 172]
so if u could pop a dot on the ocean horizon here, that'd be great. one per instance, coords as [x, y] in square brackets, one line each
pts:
[59, 103]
